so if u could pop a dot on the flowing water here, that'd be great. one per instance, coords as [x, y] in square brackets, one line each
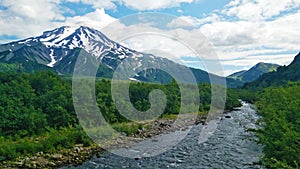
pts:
[230, 146]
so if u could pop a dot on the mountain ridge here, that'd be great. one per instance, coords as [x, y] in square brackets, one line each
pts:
[281, 76]
[254, 72]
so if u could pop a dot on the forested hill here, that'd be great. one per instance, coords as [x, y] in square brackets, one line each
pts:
[280, 77]
[254, 72]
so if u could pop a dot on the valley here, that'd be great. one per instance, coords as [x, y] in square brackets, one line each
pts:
[43, 120]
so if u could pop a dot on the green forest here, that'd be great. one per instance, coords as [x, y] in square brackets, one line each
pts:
[279, 133]
[37, 113]
[276, 96]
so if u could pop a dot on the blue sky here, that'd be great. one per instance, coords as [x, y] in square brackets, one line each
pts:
[242, 32]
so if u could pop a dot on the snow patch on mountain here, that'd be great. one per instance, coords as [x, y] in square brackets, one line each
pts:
[52, 38]
[53, 61]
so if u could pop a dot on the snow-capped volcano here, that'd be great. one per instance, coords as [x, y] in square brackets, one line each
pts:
[91, 40]
[59, 48]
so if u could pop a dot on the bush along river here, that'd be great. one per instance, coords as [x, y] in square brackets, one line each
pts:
[230, 146]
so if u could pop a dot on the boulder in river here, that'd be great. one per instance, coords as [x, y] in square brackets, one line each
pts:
[228, 116]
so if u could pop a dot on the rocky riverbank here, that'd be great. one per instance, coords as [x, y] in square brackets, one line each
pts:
[75, 156]
[228, 146]
[78, 154]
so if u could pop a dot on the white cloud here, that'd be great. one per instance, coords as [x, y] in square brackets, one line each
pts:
[29, 17]
[36, 10]
[134, 4]
[153, 4]
[232, 38]
[97, 19]
[180, 11]
[178, 42]
[183, 22]
[281, 32]
[254, 10]
[226, 33]
[233, 3]
[249, 61]
[154, 42]
[190, 22]
[107, 4]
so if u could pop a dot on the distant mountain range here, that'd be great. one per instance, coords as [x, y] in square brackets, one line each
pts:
[59, 50]
[279, 77]
[254, 72]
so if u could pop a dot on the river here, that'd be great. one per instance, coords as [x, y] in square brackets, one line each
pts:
[230, 146]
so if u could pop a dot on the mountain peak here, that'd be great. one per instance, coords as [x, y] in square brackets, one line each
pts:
[59, 30]
[297, 58]
[265, 67]
[69, 37]
[91, 34]
[254, 72]
[86, 28]
[92, 40]
[261, 63]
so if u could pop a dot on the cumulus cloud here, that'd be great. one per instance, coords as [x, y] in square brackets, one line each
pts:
[248, 61]
[259, 10]
[134, 4]
[226, 33]
[178, 42]
[107, 4]
[281, 32]
[192, 22]
[29, 17]
[36, 10]
[153, 4]
[144, 37]
[97, 19]
[232, 39]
